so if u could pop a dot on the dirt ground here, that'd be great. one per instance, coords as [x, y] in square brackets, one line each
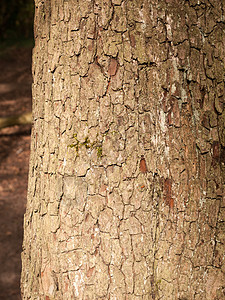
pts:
[15, 98]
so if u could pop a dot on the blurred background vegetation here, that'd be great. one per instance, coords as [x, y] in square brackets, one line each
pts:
[16, 22]
[16, 42]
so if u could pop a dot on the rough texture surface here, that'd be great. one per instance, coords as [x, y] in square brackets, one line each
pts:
[125, 197]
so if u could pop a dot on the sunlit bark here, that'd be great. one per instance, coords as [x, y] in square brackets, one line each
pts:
[125, 197]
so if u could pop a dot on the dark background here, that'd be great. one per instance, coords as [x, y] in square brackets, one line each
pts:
[16, 19]
[16, 42]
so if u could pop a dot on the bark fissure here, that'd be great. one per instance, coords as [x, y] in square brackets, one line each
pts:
[126, 183]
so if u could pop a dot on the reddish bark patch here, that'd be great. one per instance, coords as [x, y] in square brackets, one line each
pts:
[103, 190]
[66, 286]
[216, 152]
[205, 121]
[90, 272]
[176, 114]
[87, 217]
[168, 192]
[90, 47]
[112, 67]
[143, 165]
[169, 118]
[222, 155]
[117, 19]
[132, 40]
[164, 102]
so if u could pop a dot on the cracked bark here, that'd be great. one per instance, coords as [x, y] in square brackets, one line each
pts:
[125, 196]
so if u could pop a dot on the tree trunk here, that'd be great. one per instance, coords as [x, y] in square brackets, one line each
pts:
[125, 196]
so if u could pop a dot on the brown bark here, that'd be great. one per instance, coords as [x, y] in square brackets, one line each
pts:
[125, 197]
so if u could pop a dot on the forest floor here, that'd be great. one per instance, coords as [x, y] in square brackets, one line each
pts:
[15, 98]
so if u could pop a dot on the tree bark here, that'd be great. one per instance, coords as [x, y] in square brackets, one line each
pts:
[125, 196]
